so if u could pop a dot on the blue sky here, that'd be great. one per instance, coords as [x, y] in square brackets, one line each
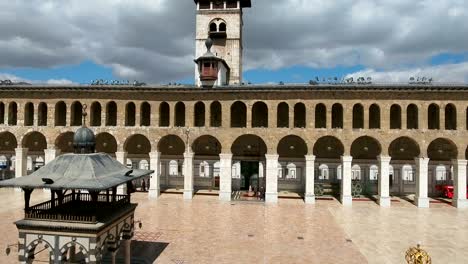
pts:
[82, 40]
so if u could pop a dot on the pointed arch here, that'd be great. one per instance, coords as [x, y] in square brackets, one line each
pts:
[60, 114]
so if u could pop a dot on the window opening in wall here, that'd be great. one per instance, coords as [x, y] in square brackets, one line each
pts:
[412, 121]
[130, 114]
[145, 114]
[450, 117]
[395, 117]
[358, 116]
[164, 114]
[299, 115]
[60, 114]
[320, 116]
[215, 114]
[282, 117]
[180, 114]
[2, 113]
[374, 117]
[433, 117]
[337, 116]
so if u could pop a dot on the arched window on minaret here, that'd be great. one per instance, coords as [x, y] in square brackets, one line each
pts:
[213, 27]
[222, 27]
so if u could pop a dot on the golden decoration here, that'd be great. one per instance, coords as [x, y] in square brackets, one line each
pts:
[417, 255]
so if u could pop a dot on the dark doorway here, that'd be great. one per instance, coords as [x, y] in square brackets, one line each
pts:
[249, 175]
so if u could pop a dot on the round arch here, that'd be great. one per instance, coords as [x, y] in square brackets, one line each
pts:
[249, 146]
[171, 145]
[8, 142]
[328, 147]
[292, 146]
[365, 147]
[404, 148]
[137, 144]
[442, 149]
[206, 146]
[34, 142]
[64, 142]
[106, 143]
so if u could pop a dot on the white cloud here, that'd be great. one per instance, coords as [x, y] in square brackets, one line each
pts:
[14, 78]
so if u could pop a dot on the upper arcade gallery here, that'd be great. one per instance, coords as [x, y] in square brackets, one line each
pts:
[291, 132]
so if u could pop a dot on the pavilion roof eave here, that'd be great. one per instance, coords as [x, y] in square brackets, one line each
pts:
[95, 172]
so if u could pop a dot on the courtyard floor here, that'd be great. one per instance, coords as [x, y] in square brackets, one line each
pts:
[208, 231]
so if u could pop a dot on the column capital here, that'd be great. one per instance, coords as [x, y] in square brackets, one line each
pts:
[189, 155]
[384, 158]
[346, 158]
[309, 157]
[422, 160]
[272, 156]
[21, 149]
[225, 156]
[460, 162]
[120, 153]
[155, 154]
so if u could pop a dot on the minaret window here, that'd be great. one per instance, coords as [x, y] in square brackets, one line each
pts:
[218, 4]
[222, 27]
[231, 4]
[213, 27]
[204, 4]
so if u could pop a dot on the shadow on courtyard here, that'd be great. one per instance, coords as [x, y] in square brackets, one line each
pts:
[143, 252]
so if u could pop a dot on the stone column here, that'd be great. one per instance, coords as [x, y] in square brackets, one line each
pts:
[310, 116]
[188, 175]
[366, 116]
[442, 117]
[225, 177]
[121, 157]
[346, 197]
[459, 184]
[271, 193]
[384, 181]
[21, 162]
[127, 253]
[249, 115]
[309, 180]
[404, 117]
[291, 116]
[421, 200]
[50, 154]
[155, 164]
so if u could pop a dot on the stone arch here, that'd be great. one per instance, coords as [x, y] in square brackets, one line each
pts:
[358, 116]
[299, 115]
[130, 114]
[171, 145]
[179, 115]
[199, 114]
[222, 27]
[29, 114]
[433, 117]
[95, 114]
[106, 143]
[12, 114]
[442, 149]
[64, 142]
[137, 144]
[111, 114]
[259, 115]
[282, 115]
[164, 116]
[320, 116]
[365, 147]
[145, 114]
[60, 114]
[238, 114]
[64, 249]
[337, 116]
[395, 117]
[31, 247]
[8, 142]
[328, 147]
[76, 114]
[404, 148]
[42, 114]
[216, 115]
[292, 146]
[206, 146]
[2, 113]
[213, 27]
[34, 142]
[249, 145]
[450, 117]
[374, 117]
[412, 117]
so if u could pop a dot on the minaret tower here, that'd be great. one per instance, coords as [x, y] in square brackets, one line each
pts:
[221, 20]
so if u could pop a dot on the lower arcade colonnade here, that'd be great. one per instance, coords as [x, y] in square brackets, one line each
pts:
[399, 168]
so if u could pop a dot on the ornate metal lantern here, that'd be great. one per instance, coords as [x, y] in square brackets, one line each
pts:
[417, 255]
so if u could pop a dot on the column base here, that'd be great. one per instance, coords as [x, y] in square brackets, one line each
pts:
[271, 197]
[422, 202]
[309, 199]
[154, 193]
[347, 200]
[384, 201]
[188, 194]
[122, 189]
[225, 196]
[460, 203]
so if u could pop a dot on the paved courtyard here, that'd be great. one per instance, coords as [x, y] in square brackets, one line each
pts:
[208, 231]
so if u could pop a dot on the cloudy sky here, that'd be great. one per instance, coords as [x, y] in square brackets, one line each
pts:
[64, 41]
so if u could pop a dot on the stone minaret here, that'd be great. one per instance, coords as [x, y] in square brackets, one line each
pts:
[221, 20]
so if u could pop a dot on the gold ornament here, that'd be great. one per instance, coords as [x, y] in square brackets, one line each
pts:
[416, 255]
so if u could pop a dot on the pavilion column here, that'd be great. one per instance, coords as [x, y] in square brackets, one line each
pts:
[21, 162]
[271, 192]
[346, 197]
[421, 200]
[384, 181]
[309, 179]
[459, 184]
[155, 165]
[121, 157]
[225, 177]
[127, 253]
[188, 175]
